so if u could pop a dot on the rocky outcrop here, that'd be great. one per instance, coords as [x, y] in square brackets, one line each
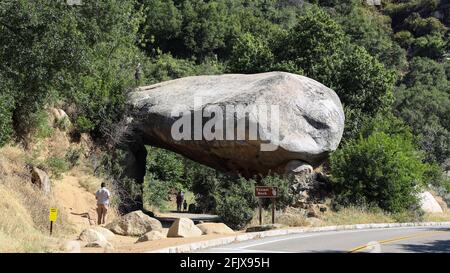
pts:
[310, 120]
[41, 179]
[429, 203]
[135, 223]
[214, 228]
[184, 227]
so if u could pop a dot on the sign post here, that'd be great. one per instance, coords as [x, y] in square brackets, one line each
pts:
[53, 214]
[266, 192]
[273, 210]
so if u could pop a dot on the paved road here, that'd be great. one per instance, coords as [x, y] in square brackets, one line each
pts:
[168, 218]
[391, 240]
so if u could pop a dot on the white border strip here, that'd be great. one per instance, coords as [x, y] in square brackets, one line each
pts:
[256, 235]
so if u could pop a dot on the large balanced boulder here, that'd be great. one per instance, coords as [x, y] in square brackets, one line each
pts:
[184, 227]
[429, 203]
[310, 120]
[135, 223]
[214, 228]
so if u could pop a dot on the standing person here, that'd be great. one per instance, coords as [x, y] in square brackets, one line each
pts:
[178, 201]
[180, 198]
[102, 195]
[185, 205]
[137, 74]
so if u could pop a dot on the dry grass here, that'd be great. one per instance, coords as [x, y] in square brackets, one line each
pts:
[437, 217]
[356, 215]
[24, 220]
[293, 220]
[291, 217]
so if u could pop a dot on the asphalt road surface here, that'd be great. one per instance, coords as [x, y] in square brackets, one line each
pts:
[388, 240]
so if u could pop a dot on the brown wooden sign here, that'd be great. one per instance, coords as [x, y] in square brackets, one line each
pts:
[266, 192]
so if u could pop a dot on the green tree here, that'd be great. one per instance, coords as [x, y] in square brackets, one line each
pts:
[364, 83]
[166, 166]
[315, 45]
[422, 102]
[205, 27]
[38, 41]
[431, 46]
[251, 55]
[372, 30]
[6, 111]
[381, 170]
[162, 25]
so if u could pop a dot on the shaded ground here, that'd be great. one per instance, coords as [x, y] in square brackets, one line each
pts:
[167, 218]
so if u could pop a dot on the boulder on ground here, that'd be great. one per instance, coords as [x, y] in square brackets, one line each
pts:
[428, 203]
[151, 236]
[214, 228]
[184, 227]
[91, 235]
[41, 179]
[58, 114]
[102, 244]
[106, 232]
[135, 223]
[71, 247]
[60, 117]
[310, 120]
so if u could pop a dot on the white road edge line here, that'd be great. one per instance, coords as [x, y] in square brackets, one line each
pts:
[273, 233]
[325, 233]
[234, 250]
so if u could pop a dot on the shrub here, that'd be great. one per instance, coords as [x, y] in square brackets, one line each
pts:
[42, 126]
[166, 166]
[205, 185]
[6, 128]
[236, 203]
[73, 156]
[155, 191]
[57, 166]
[285, 196]
[84, 124]
[63, 124]
[380, 170]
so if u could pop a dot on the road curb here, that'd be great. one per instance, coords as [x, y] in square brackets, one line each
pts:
[256, 235]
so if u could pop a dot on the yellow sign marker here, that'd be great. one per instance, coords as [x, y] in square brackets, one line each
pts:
[53, 214]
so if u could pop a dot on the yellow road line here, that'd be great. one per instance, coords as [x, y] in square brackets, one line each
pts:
[396, 239]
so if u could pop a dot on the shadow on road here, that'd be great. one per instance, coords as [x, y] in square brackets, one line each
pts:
[437, 246]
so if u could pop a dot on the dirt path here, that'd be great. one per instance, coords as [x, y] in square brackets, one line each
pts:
[80, 205]
[77, 201]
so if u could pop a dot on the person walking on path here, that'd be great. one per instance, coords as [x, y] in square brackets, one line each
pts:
[102, 195]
